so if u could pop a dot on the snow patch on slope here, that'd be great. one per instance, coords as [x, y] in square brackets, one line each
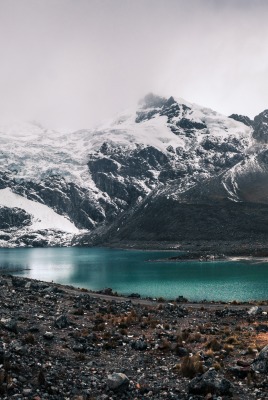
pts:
[126, 132]
[43, 216]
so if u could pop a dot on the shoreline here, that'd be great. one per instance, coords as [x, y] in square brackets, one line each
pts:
[216, 259]
[136, 298]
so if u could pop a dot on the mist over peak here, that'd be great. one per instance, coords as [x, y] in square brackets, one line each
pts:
[75, 64]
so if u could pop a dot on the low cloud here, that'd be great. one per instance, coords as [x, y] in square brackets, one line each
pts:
[72, 64]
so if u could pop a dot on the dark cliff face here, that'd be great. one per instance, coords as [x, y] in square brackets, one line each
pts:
[259, 124]
[13, 217]
[126, 176]
[242, 118]
[261, 127]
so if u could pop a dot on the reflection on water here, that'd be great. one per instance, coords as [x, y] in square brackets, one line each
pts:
[128, 271]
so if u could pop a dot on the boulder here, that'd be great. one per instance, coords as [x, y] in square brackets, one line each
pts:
[254, 310]
[240, 372]
[118, 381]
[210, 382]
[260, 364]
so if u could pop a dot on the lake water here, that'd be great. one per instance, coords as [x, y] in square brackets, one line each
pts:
[128, 271]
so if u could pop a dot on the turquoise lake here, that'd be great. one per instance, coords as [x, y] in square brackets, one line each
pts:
[128, 271]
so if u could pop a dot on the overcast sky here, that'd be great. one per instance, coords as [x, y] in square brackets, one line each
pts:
[73, 63]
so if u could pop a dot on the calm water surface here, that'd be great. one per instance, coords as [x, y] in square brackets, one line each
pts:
[128, 271]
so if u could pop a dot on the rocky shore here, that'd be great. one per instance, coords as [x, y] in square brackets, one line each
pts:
[58, 342]
[202, 250]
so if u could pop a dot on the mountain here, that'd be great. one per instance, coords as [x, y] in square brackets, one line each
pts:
[137, 177]
[233, 206]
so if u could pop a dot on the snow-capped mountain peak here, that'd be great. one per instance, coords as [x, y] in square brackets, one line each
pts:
[91, 176]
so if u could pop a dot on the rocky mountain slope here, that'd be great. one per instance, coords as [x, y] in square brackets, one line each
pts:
[232, 205]
[155, 164]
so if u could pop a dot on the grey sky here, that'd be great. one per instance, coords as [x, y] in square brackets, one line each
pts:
[73, 63]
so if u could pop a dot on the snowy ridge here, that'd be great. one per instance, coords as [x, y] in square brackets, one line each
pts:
[43, 153]
[124, 131]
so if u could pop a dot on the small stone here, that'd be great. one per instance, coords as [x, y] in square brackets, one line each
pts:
[78, 348]
[2, 353]
[27, 392]
[48, 335]
[243, 363]
[163, 368]
[139, 345]
[182, 351]
[10, 325]
[61, 322]
[118, 381]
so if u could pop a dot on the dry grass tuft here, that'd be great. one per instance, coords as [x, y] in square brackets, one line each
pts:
[191, 366]
[214, 345]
